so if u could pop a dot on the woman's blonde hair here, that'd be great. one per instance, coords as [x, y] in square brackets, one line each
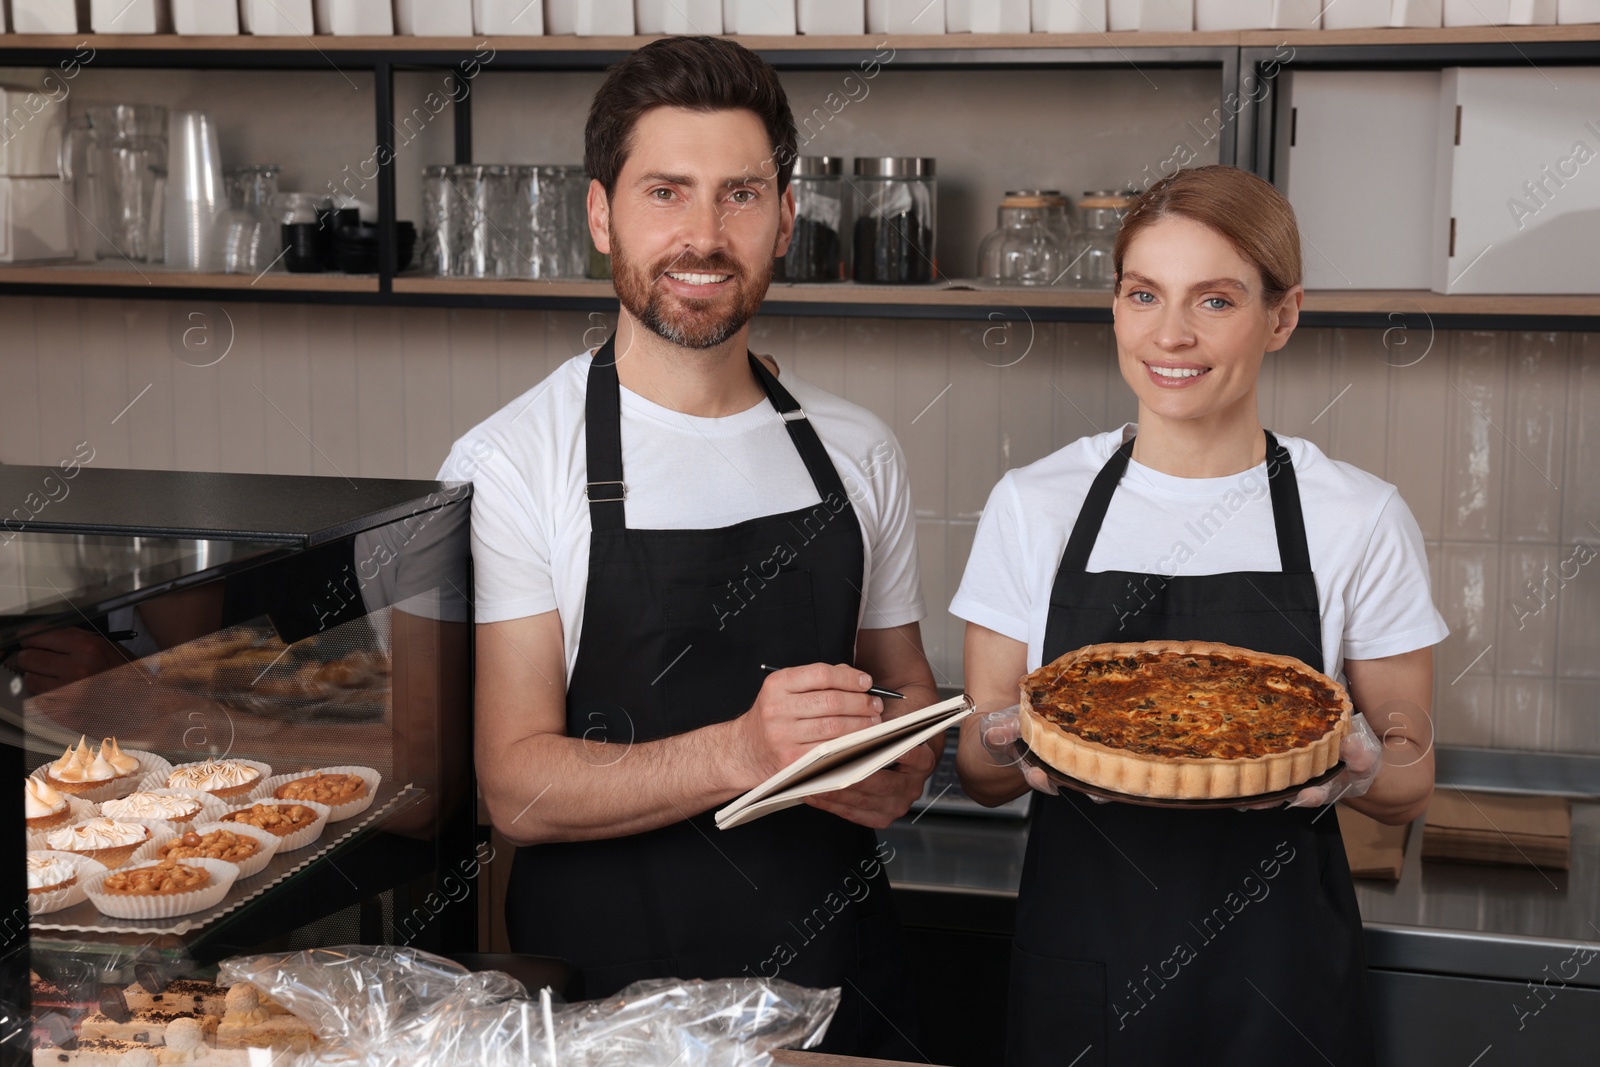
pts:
[1242, 207]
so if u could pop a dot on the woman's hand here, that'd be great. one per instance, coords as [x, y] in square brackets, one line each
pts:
[1362, 753]
[1001, 735]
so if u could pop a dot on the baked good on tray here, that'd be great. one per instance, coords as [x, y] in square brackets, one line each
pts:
[84, 768]
[248, 1023]
[330, 789]
[1184, 720]
[110, 841]
[225, 778]
[48, 874]
[45, 807]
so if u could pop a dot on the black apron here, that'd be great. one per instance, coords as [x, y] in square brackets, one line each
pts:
[1150, 936]
[676, 626]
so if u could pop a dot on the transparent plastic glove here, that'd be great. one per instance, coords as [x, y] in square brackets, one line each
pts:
[1001, 732]
[1362, 753]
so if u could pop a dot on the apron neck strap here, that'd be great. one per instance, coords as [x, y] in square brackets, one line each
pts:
[1287, 518]
[603, 438]
[804, 436]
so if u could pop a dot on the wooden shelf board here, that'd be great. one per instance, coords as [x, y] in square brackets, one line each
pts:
[808, 43]
[126, 275]
[1417, 35]
[1378, 302]
[781, 293]
[569, 43]
[1405, 301]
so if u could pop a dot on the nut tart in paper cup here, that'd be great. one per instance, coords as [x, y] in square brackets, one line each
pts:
[229, 780]
[294, 828]
[111, 842]
[180, 887]
[198, 841]
[326, 785]
[61, 878]
[175, 807]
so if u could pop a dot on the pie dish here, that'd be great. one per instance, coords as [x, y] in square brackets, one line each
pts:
[1184, 720]
[347, 791]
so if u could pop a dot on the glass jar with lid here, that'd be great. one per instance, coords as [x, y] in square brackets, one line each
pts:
[1028, 247]
[1093, 253]
[893, 237]
[816, 252]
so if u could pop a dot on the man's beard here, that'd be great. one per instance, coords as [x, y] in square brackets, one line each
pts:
[696, 324]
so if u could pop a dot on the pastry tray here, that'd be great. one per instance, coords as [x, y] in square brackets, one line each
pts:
[1158, 802]
[86, 918]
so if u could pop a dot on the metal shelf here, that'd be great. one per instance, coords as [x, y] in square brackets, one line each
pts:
[1238, 55]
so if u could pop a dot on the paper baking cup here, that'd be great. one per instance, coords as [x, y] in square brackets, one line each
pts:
[82, 866]
[263, 771]
[78, 810]
[210, 806]
[151, 850]
[341, 812]
[164, 907]
[40, 842]
[300, 838]
[149, 764]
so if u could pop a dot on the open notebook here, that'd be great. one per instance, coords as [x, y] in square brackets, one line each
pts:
[844, 761]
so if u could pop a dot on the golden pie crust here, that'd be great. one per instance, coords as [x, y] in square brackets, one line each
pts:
[1184, 720]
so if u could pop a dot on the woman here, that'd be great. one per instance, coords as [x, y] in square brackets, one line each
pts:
[1155, 935]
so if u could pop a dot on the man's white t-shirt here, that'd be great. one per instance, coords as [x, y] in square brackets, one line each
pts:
[530, 517]
[1366, 550]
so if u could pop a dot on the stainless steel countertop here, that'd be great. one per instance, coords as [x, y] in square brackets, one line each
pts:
[1440, 917]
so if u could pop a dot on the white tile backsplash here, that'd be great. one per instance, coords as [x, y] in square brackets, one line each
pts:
[374, 393]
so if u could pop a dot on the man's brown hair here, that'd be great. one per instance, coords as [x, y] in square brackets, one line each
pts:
[696, 73]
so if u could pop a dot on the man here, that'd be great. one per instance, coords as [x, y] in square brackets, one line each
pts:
[652, 525]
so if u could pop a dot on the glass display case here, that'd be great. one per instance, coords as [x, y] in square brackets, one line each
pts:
[216, 660]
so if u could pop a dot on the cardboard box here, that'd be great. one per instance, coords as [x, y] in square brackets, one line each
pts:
[1499, 12]
[1373, 14]
[1517, 180]
[35, 220]
[904, 16]
[1517, 831]
[1353, 162]
[1150, 15]
[1069, 16]
[987, 16]
[1257, 14]
[678, 16]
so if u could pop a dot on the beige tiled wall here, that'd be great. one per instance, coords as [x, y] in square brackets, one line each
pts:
[1493, 438]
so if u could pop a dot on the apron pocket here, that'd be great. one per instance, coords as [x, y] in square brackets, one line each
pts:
[1057, 1011]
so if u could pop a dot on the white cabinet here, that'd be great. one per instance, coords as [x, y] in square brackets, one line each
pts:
[1517, 181]
[355, 18]
[775, 17]
[1353, 161]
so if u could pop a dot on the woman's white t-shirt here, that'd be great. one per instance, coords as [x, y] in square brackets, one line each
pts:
[530, 517]
[1366, 550]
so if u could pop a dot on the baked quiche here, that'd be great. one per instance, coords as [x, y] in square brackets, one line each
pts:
[1184, 720]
